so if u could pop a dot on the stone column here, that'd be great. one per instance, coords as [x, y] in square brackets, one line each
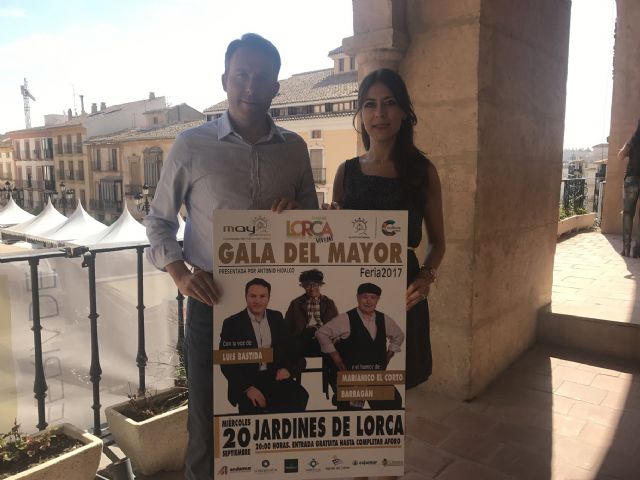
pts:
[625, 108]
[487, 79]
[379, 38]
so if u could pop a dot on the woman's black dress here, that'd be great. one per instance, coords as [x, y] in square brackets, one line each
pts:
[370, 192]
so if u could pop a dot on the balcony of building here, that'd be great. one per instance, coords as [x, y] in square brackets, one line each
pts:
[319, 176]
[105, 206]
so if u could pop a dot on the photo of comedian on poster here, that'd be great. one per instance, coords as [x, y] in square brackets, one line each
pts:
[309, 343]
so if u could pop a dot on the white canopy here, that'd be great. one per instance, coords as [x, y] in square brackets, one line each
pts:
[79, 224]
[47, 220]
[12, 214]
[123, 231]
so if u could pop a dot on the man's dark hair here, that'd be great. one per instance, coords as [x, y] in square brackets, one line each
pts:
[257, 281]
[254, 42]
[314, 275]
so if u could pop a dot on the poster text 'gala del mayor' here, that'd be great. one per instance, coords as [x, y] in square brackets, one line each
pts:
[309, 341]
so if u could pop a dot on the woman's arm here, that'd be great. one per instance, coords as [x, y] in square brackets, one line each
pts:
[624, 151]
[338, 185]
[434, 221]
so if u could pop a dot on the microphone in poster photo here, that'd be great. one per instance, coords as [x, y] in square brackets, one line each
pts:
[268, 387]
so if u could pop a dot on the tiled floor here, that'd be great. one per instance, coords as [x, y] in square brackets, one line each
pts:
[592, 280]
[555, 414]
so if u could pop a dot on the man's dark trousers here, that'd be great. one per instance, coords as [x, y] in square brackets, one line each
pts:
[199, 356]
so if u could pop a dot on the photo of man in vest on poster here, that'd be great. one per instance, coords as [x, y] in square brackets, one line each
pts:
[363, 339]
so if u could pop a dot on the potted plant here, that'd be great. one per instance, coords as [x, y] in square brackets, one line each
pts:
[574, 218]
[152, 430]
[60, 452]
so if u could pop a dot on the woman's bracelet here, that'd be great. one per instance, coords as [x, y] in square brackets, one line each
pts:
[428, 273]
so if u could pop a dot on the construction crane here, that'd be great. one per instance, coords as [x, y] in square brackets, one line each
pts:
[26, 95]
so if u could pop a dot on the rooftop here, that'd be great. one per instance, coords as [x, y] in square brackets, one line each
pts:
[310, 87]
[168, 131]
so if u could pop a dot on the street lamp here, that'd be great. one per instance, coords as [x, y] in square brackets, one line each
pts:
[142, 200]
[65, 194]
[9, 190]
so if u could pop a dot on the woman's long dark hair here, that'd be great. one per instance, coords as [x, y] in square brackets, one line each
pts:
[409, 162]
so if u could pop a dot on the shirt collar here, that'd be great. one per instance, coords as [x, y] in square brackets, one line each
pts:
[225, 129]
[364, 316]
[254, 318]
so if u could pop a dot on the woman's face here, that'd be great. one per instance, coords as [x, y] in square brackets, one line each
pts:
[381, 114]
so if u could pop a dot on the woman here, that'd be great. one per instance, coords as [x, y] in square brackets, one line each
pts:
[394, 175]
[630, 149]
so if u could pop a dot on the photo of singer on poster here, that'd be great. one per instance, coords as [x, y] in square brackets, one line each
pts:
[309, 343]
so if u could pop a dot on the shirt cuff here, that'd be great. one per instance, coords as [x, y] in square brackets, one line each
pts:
[327, 348]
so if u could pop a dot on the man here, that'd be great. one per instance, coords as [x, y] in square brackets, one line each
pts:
[241, 160]
[363, 339]
[310, 311]
[262, 387]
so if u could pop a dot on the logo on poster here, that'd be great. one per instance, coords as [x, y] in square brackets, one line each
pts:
[391, 463]
[290, 465]
[265, 467]
[313, 466]
[259, 227]
[262, 225]
[355, 463]
[389, 228]
[318, 229]
[360, 227]
[223, 470]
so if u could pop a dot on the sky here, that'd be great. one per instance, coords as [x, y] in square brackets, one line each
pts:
[118, 51]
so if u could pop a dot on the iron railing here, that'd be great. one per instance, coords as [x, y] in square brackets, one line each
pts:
[106, 205]
[36, 283]
[573, 193]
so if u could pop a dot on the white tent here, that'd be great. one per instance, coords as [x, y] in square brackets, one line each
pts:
[47, 220]
[12, 214]
[125, 230]
[79, 224]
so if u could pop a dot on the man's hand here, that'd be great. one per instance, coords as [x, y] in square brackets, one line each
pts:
[337, 359]
[282, 374]
[330, 206]
[390, 355]
[281, 204]
[256, 397]
[199, 285]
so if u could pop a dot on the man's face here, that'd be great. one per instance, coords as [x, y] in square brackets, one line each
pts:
[251, 82]
[257, 299]
[367, 302]
[312, 289]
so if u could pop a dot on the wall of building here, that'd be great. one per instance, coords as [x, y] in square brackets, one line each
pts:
[131, 115]
[487, 79]
[339, 143]
[625, 107]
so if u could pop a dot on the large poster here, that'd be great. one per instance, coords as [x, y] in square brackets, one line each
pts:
[297, 392]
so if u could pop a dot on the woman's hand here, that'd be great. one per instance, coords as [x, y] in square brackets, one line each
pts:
[417, 291]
